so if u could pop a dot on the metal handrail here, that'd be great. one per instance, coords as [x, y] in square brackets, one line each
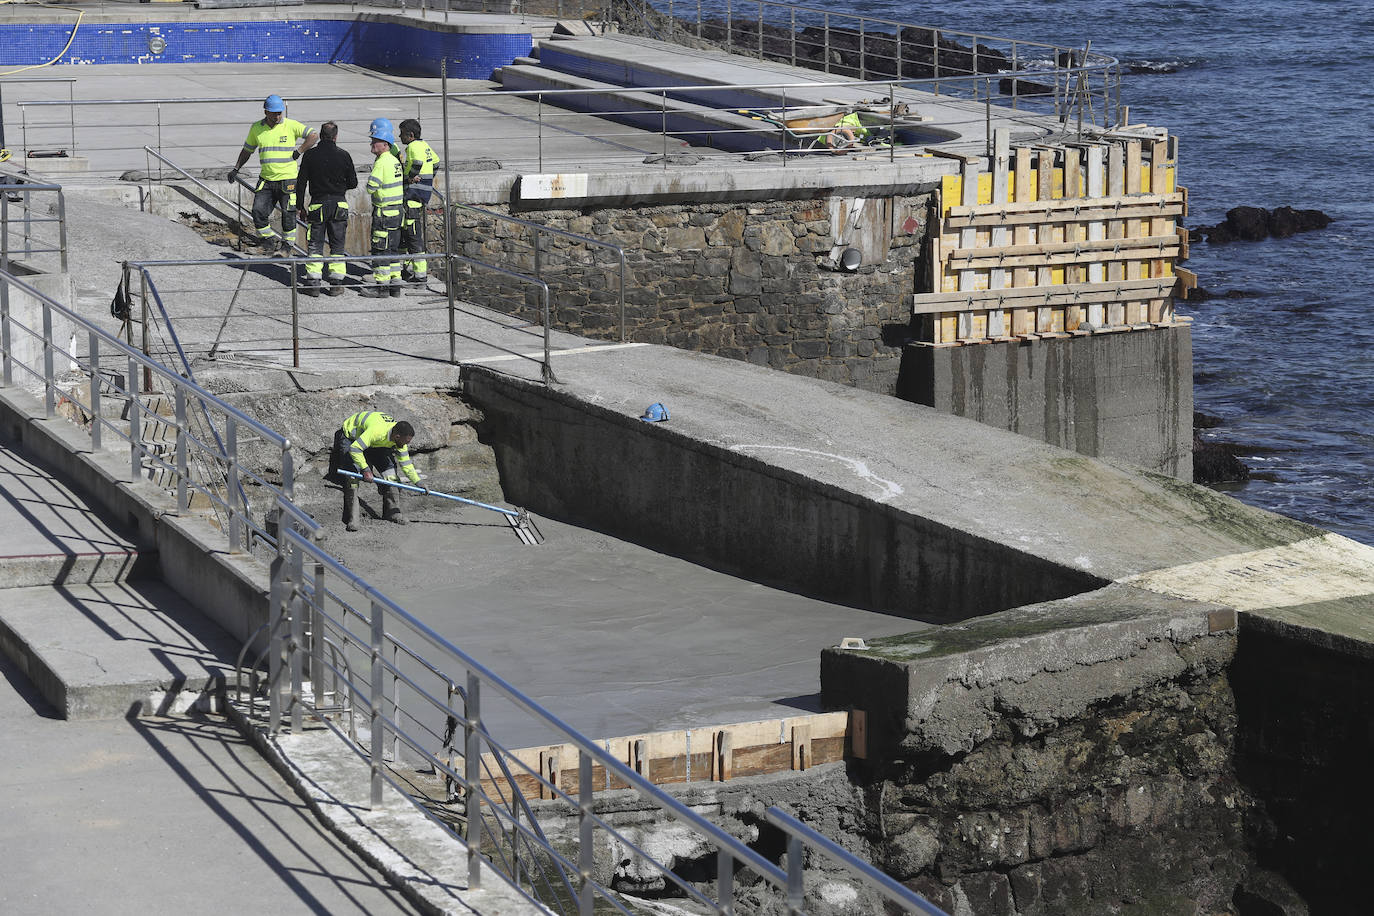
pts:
[240, 528]
[980, 88]
[538, 229]
[23, 186]
[296, 602]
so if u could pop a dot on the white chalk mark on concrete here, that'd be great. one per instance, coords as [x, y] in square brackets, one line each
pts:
[889, 488]
[539, 354]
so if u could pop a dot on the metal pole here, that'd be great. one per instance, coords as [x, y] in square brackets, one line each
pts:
[539, 140]
[297, 645]
[96, 423]
[395, 700]
[448, 214]
[316, 636]
[281, 584]
[725, 882]
[622, 296]
[375, 695]
[825, 21]
[231, 456]
[49, 383]
[180, 414]
[663, 124]
[143, 311]
[295, 318]
[891, 122]
[135, 421]
[547, 372]
[586, 898]
[62, 226]
[4, 232]
[472, 775]
[795, 890]
[8, 360]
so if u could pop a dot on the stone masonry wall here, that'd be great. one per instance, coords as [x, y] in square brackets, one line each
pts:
[751, 281]
[1063, 759]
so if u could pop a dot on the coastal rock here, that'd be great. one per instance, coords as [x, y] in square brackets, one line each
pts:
[1252, 224]
[1215, 462]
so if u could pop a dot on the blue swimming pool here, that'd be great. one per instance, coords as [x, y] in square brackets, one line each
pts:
[391, 46]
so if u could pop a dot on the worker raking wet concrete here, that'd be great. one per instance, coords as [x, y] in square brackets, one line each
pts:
[376, 444]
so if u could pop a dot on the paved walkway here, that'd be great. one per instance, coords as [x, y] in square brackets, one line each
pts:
[145, 815]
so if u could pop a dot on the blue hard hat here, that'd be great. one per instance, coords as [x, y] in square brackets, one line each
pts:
[381, 129]
[273, 103]
[656, 413]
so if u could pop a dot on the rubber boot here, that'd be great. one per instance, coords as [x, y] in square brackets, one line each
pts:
[350, 511]
[391, 506]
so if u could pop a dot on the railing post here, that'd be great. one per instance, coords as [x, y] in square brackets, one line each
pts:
[143, 312]
[135, 421]
[825, 21]
[586, 859]
[795, 889]
[935, 58]
[547, 372]
[297, 644]
[6, 359]
[49, 383]
[281, 585]
[316, 636]
[96, 422]
[288, 471]
[452, 301]
[539, 140]
[376, 693]
[863, 57]
[62, 226]
[231, 457]
[621, 258]
[296, 317]
[180, 401]
[4, 232]
[472, 775]
[395, 700]
[725, 882]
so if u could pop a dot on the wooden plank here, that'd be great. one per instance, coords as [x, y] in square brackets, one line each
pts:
[1022, 320]
[1135, 228]
[1001, 235]
[1116, 229]
[1066, 294]
[1147, 244]
[1065, 208]
[1097, 187]
[968, 238]
[1159, 162]
[724, 755]
[801, 747]
[1044, 233]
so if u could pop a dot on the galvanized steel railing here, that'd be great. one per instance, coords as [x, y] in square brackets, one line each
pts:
[334, 659]
[110, 369]
[868, 47]
[27, 232]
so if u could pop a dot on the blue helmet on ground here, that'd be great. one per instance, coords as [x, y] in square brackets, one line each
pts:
[381, 129]
[273, 103]
[656, 413]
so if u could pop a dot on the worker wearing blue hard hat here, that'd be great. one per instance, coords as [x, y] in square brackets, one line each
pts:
[280, 142]
[386, 188]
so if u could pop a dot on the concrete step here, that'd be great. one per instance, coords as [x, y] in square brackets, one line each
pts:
[115, 649]
[48, 535]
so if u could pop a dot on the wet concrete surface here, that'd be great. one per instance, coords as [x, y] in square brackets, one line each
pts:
[613, 638]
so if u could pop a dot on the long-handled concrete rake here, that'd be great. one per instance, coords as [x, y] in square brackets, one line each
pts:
[517, 518]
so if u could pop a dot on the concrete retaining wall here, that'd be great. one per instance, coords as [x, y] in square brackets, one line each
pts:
[571, 459]
[1125, 396]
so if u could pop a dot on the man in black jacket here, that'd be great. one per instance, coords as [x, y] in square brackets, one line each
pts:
[327, 175]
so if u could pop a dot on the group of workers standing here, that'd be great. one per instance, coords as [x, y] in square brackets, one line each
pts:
[305, 174]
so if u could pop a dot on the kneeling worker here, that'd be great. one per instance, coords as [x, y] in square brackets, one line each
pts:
[372, 443]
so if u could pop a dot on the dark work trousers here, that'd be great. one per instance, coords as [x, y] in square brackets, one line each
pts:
[381, 460]
[269, 196]
[326, 221]
[413, 232]
[386, 238]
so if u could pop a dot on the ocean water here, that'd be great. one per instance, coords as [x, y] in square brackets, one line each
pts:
[1273, 104]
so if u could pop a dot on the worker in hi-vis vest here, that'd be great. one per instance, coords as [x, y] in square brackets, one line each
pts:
[849, 131]
[386, 188]
[327, 175]
[418, 173]
[372, 443]
[276, 138]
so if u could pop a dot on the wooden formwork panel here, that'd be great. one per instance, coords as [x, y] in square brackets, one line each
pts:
[1048, 241]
